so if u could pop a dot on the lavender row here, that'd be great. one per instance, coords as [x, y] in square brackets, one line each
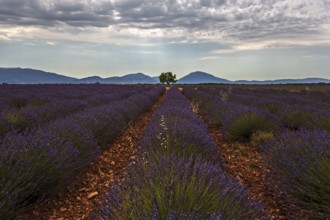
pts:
[309, 95]
[179, 174]
[35, 164]
[293, 110]
[174, 128]
[240, 122]
[30, 117]
[20, 96]
[300, 158]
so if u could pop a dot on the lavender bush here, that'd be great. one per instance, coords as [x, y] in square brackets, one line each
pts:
[245, 125]
[307, 117]
[296, 117]
[31, 166]
[175, 187]
[301, 162]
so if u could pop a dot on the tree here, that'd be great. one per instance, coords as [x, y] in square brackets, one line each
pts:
[167, 78]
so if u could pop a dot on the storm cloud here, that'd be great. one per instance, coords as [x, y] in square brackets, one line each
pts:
[200, 19]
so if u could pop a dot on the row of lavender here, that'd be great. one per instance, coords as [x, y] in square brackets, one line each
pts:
[34, 164]
[314, 95]
[30, 106]
[294, 110]
[20, 96]
[299, 156]
[179, 174]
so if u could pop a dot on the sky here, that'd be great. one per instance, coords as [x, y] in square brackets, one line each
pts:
[232, 39]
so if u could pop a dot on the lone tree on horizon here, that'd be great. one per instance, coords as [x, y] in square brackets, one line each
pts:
[168, 78]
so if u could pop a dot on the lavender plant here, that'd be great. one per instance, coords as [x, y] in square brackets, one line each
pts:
[175, 187]
[31, 166]
[245, 125]
[296, 117]
[301, 162]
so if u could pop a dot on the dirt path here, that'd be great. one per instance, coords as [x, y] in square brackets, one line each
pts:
[84, 195]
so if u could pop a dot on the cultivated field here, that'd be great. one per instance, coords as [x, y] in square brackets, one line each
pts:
[144, 152]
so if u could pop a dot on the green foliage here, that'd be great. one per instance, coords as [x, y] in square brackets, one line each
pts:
[272, 107]
[295, 119]
[39, 102]
[18, 102]
[260, 137]
[16, 120]
[168, 78]
[322, 122]
[244, 126]
[3, 127]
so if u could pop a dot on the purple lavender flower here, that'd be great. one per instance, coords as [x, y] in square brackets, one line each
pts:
[301, 162]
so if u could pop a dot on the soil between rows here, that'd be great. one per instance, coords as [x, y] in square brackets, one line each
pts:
[84, 195]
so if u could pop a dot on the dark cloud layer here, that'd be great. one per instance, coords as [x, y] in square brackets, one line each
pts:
[224, 19]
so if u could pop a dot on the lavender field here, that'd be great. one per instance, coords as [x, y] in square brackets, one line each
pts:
[206, 152]
[50, 132]
[289, 126]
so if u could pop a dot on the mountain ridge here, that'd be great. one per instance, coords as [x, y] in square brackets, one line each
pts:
[201, 77]
[32, 76]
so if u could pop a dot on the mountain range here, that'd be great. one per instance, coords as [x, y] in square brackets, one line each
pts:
[134, 78]
[31, 76]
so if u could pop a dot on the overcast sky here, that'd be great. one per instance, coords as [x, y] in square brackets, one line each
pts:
[233, 39]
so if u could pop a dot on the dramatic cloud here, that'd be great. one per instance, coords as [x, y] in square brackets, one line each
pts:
[215, 20]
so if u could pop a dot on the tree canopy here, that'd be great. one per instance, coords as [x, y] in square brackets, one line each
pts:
[168, 78]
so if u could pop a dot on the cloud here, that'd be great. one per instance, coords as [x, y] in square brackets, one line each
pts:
[210, 58]
[51, 43]
[4, 38]
[240, 23]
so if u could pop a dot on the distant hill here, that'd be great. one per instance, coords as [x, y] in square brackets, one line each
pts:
[201, 77]
[133, 78]
[30, 76]
[156, 78]
[91, 79]
[285, 81]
